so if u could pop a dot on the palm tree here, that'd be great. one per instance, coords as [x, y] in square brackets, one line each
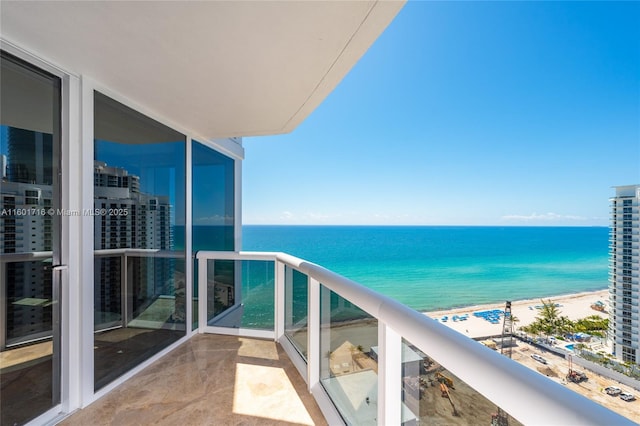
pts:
[549, 312]
[565, 325]
[549, 321]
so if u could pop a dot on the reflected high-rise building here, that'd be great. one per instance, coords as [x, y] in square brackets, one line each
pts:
[146, 218]
[3, 166]
[26, 195]
[126, 218]
[30, 156]
[131, 220]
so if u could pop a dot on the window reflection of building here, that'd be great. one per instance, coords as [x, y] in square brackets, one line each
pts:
[30, 156]
[26, 226]
[126, 218]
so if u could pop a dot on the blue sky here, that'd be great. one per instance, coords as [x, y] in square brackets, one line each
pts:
[479, 113]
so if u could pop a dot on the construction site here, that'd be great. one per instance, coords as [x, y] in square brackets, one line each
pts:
[438, 397]
[586, 383]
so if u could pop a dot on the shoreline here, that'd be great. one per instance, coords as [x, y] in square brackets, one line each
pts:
[572, 305]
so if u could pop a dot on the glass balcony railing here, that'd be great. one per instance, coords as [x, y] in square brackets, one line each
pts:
[139, 308]
[368, 359]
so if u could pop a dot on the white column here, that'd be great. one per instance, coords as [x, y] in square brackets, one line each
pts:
[389, 376]
[86, 245]
[71, 392]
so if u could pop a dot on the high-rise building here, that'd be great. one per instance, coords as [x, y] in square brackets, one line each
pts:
[3, 166]
[624, 282]
[126, 218]
[131, 220]
[30, 156]
[25, 227]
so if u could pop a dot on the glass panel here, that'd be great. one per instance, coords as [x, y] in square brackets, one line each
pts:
[139, 201]
[349, 360]
[221, 289]
[433, 395]
[258, 294]
[29, 230]
[241, 294]
[107, 294]
[296, 308]
[213, 206]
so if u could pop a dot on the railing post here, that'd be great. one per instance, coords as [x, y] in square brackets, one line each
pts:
[279, 294]
[389, 376]
[313, 334]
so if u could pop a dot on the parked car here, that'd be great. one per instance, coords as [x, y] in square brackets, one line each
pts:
[612, 390]
[626, 396]
[538, 358]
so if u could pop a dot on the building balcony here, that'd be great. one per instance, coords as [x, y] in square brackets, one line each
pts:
[633, 343]
[231, 379]
[619, 330]
[282, 340]
[618, 249]
[615, 273]
[294, 343]
[626, 314]
[621, 280]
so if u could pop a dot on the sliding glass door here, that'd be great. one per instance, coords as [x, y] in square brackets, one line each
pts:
[29, 241]
[139, 224]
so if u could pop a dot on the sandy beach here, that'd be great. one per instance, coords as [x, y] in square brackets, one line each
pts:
[574, 306]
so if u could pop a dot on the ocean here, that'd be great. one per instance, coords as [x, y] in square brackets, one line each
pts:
[441, 267]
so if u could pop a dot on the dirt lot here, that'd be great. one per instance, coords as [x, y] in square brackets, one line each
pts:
[557, 368]
[441, 398]
[444, 399]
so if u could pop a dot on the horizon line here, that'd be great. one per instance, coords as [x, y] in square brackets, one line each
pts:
[424, 225]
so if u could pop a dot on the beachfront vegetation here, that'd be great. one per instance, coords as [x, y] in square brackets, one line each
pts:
[608, 361]
[550, 322]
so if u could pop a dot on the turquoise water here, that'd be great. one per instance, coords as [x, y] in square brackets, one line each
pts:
[431, 268]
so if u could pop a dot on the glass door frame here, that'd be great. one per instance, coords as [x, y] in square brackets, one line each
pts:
[65, 317]
[75, 266]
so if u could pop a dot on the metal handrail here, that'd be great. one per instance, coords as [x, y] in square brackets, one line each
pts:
[140, 253]
[25, 256]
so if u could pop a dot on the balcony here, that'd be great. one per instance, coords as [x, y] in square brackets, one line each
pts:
[362, 356]
[325, 350]
[231, 379]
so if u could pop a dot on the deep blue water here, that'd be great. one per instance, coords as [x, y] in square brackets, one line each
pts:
[441, 266]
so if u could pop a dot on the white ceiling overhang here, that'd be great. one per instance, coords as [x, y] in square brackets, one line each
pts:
[216, 68]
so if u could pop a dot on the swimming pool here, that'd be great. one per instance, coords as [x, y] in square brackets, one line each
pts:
[569, 347]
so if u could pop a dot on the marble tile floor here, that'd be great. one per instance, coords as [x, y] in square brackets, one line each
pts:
[210, 380]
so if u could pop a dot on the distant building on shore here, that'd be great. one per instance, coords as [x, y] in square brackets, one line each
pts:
[624, 280]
